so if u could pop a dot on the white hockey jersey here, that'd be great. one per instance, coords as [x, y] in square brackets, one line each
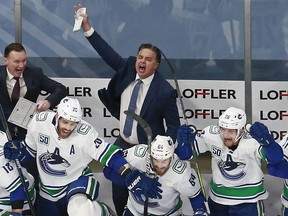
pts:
[179, 179]
[10, 179]
[236, 175]
[284, 195]
[61, 161]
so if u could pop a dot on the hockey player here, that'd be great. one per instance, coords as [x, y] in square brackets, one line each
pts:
[13, 200]
[175, 175]
[64, 145]
[237, 179]
[281, 170]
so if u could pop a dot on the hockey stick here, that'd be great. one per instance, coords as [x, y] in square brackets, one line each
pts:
[148, 132]
[194, 160]
[18, 165]
[177, 89]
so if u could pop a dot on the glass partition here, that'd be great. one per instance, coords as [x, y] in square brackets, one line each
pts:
[7, 30]
[202, 39]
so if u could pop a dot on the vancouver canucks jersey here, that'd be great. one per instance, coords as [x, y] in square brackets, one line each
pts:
[284, 195]
[236, 175]
[179, 179]
[61, 161]
[10, 179]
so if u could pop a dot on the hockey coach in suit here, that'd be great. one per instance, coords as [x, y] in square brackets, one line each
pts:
[156, 101]
[31, 81]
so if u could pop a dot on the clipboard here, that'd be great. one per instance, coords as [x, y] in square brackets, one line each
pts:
[22, 113]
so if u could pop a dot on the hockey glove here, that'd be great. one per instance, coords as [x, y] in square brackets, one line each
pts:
[261, 133]
[16, 150]
[12, 150]
[18, 196]
[85, 185]
[113, 176]
[185, 137]
[138, 183]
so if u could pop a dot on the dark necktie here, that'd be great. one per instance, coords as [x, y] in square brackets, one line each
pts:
[132, 107]
[16, 90]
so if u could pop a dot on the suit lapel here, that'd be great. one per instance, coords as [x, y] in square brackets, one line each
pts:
[28, 80]
[3, 86]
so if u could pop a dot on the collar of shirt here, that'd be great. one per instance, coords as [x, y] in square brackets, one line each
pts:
[10, 82]
[147, 80]
[10, 76]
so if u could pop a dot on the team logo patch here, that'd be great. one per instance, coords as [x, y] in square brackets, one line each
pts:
[43, 139]
[140, 151]
[83, 129]
[42, 116]
[179, 166]
[53, 163]
[141, 200]
[214, 129]
[231, 170]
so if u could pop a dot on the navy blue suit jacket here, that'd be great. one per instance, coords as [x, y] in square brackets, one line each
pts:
[35, 82]
[160, 101]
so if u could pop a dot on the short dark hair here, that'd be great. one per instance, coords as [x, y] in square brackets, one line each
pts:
[153, 48]
[18, 47]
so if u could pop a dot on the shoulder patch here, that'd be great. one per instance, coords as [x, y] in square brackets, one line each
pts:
[83, 129]
[140, 151]
[216, 151]
[179, 166]
[42, 116]
[214, 129]
[43, 139]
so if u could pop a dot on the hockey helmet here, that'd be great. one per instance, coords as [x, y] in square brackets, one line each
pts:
[162, 147]
[233, 118]
[70, 109]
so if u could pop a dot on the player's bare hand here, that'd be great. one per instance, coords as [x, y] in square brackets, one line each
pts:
[43, 105]
[85, 23]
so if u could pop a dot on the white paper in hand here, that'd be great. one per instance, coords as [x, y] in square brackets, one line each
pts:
[78, 19]
[22, 113]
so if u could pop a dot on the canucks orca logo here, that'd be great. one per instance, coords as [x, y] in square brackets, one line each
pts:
[227, 167]
[49, 160]
[141, 199]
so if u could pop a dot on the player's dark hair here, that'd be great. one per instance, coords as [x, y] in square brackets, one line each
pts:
[18, 47]
[153, 48]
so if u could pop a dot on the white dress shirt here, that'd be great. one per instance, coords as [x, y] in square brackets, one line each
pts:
[10, 82]
[125, 100]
